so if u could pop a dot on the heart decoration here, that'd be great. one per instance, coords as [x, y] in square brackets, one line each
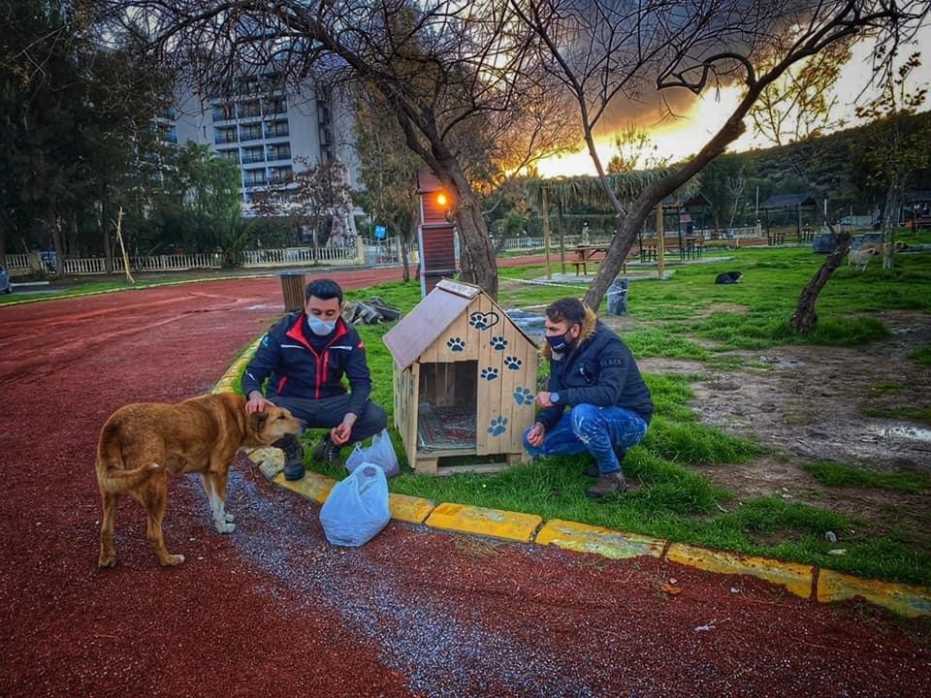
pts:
[483, 321]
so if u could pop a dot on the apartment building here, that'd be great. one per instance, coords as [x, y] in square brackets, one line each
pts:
[269, 133]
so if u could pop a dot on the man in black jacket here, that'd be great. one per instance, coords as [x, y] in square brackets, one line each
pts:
[593, 373]
[304, 358]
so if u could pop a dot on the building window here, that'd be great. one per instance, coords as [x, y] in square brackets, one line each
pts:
[280, 175]
[279, 151]
[167, 133]
[253, 154]
[273, 129]
[223, 112]
[225, 135]
[250, 109]
[231, 155]
[250, 132]
[276, 105]
[254, 178]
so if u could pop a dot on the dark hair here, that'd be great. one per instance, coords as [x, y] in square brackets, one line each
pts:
[324, 289]
[571, 310]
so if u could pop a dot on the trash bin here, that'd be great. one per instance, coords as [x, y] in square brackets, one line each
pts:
[617, 297]
[292, 289]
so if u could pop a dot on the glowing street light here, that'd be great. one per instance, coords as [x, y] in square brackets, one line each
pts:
[441, 199]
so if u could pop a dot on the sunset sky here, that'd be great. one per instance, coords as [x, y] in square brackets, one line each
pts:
[680, 137]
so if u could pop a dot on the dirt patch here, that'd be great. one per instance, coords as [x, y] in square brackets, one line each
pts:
[715, 308]
[810, 401]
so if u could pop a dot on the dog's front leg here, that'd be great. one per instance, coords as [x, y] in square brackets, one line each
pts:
[222, 520]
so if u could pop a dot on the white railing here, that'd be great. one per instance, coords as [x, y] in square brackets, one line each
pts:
[291, 256]
[22, 263]
[85, 265]
[173, 262]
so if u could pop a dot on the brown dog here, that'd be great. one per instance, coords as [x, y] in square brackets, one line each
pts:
[142, 443]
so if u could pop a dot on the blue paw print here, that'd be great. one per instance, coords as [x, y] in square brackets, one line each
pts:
[455, 344]
[512, 362]
[489, 374]
[483, 321]
[522, 396]
[498, 343]
[499, 425]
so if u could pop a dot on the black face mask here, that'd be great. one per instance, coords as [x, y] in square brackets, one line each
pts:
[560, 342]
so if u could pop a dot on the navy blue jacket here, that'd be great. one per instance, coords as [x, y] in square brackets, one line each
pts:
[599, 371]
[298, 367]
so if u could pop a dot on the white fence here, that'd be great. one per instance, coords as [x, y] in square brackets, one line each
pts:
[294, 256]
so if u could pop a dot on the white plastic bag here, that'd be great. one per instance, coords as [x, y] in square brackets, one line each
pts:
[380, 453]
[357, 507]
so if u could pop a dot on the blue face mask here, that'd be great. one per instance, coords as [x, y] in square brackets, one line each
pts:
[320, 327]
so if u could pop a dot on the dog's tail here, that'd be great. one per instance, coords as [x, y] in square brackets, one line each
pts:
[112, 476]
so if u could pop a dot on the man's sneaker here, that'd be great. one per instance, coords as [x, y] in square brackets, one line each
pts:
[606, 486]
[325, 452]
[293, 457]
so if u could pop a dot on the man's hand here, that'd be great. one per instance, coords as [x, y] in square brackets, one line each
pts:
[340, 433]
[256, 402]
[543, 399]
[536, 434]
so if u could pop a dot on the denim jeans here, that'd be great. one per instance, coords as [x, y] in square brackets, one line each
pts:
[594, 430]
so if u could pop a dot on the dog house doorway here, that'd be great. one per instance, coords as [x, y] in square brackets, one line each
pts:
[448, 406]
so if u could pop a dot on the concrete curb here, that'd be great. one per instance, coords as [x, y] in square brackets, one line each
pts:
[805, 581]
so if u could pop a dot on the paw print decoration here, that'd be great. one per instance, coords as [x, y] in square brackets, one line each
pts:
[455, 344]
[483, 321]
[498, 343]
[512, 362]
[499, 425]
[522, 396]
[489, 374]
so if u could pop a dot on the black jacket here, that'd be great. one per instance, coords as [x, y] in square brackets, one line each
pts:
[296, 366]
[600, 370]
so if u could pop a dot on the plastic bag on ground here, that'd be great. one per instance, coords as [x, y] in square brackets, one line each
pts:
[380, 453]
[357, 507]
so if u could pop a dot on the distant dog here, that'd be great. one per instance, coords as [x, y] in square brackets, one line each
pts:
[728, 277]
[860, 258]
[142, 443]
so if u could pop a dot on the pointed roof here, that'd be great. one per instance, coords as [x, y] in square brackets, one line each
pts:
[430, 318]
[790, 200]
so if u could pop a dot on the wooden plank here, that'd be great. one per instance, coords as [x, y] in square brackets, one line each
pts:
[490, 405]
[413, 413]
[477, 468]
[440, 350]
[426, 466]
[417, 330]
[510, 379]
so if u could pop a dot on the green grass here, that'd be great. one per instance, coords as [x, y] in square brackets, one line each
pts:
[842, 475]
[922, 356]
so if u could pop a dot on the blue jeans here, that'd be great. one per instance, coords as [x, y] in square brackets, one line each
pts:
[594, 430]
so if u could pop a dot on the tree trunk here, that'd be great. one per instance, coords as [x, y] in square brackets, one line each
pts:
[805, 318]
[57, 243]
[479, 266]
[2, 245]
[890, 219]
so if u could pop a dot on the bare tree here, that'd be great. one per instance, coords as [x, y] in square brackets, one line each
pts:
[634, 150]
[441, 66]
[607, 50]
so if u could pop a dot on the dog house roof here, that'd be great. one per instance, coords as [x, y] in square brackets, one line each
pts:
[430, 318]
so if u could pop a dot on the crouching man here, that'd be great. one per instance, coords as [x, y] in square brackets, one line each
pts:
[594, 375]
[304, 358]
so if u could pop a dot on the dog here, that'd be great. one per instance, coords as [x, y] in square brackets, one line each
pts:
[860, 258]
[728, 277]
[142, 443]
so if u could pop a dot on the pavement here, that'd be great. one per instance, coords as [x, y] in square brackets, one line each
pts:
[272, 609]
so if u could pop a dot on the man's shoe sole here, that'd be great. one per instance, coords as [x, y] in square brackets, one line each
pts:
[292, 476]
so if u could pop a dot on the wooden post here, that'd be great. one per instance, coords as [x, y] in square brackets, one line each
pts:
[546, 231]
[660, 242]
[562, 240]
[119, 236]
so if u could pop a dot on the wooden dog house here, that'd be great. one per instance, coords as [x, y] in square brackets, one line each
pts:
[465, 379]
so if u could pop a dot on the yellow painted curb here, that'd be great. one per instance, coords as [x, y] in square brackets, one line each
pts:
[794, 577]
[911, 601]
[411, 509]
[486, 522]
[312, 486]
[595, 539]
[227, 384]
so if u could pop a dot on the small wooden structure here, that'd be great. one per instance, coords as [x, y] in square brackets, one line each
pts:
[436, 235]
[465, 379]
[790, 204]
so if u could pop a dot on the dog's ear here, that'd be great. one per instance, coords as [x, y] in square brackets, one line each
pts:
[257, 421]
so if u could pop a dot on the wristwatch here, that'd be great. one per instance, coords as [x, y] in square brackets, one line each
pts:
[554, 397]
